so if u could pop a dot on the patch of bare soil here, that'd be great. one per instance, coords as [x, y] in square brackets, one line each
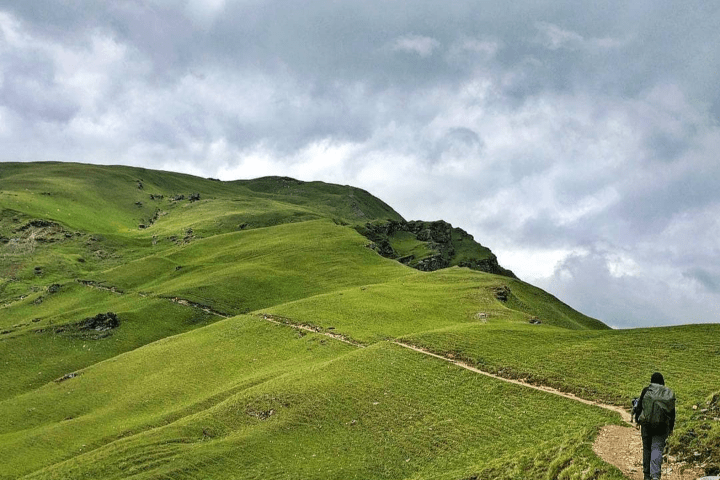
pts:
[622, 447]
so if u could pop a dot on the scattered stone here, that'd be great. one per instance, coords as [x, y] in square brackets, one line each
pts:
[54, 288]
[139, 204]
[67, 376]
[263, 415]
[177, 198]
[194, 197]
[140, 185]
[535, 321]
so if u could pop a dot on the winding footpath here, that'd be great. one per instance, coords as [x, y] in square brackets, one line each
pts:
[620, 446]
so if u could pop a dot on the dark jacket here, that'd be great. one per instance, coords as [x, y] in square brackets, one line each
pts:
[647, 430]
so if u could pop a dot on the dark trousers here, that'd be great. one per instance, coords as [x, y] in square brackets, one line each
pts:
[653, 446]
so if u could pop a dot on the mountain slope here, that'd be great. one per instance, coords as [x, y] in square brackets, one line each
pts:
[150, 351]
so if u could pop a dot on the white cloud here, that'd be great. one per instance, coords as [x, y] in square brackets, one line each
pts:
[554, 37]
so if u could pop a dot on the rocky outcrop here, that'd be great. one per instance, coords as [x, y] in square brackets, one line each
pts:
[445, 246]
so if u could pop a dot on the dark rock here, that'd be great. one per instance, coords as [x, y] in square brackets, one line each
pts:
[100, 322]
[406, 260]
[54, 288]
[433, 263]
[502, 293]
[383, 248]
[488, 265]
[177, 198]
[38, 223]
[194, 197]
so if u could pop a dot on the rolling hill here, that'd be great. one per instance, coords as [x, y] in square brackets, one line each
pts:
[148, 329]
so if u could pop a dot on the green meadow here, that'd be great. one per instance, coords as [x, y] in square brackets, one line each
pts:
[193, 380]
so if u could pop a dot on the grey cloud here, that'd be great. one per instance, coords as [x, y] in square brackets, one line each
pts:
[586, 283]
[709, 280]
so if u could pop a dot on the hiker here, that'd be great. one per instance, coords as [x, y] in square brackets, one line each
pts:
[655, 414]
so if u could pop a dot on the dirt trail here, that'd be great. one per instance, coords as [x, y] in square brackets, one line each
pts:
[620, 446]
[623, 413]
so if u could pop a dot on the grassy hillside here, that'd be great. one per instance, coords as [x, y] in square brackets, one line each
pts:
[137, 341]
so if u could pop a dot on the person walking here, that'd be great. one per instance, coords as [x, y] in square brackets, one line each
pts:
[655, 414]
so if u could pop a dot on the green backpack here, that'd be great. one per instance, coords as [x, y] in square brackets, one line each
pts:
[657, 404]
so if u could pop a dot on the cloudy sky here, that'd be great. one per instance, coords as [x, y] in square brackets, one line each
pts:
[580, 141]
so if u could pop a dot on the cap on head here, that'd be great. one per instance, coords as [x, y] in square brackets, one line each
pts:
[657, 378]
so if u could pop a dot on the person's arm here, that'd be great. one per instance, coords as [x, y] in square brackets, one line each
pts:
[671, 424]
[639, 407]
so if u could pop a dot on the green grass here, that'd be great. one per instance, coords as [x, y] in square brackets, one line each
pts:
[424, 302]
[340, 412]
[178, 392]
[405, 244]
[611, 365]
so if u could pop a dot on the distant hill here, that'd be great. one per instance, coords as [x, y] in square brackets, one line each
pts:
[150, 327]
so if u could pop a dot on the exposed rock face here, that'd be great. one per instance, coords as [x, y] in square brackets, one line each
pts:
[445, 246]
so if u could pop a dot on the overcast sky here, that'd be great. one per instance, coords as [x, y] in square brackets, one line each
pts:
[580, 141]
